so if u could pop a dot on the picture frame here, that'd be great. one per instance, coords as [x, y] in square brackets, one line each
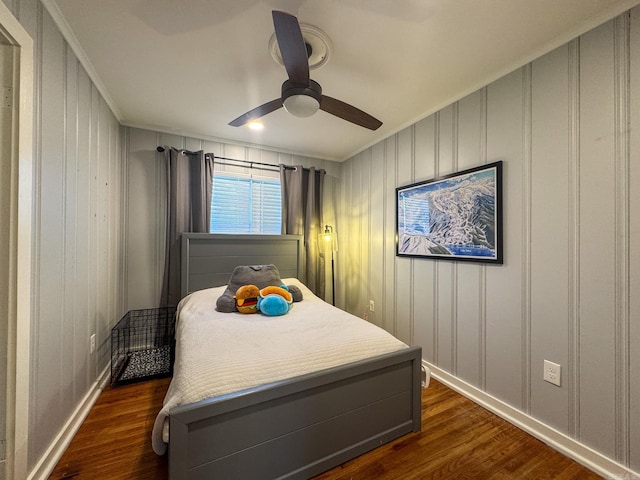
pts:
[452, 217]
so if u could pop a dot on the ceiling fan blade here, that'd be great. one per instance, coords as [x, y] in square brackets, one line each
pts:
[292, 47]
[349, 113]
[257, 112]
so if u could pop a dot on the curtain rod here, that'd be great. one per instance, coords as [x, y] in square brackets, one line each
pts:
[251, 163]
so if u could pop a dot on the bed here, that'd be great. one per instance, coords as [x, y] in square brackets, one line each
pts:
[316, 411]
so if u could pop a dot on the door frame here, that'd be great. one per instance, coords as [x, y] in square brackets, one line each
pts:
[20, 252]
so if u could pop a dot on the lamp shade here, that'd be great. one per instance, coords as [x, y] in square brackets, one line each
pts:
[328, 240]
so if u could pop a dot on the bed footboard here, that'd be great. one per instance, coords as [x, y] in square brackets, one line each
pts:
[298, 428]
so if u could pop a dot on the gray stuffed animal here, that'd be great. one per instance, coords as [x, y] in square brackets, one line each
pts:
[259, 275]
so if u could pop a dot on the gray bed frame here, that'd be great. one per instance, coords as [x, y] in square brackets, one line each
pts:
[299, 427]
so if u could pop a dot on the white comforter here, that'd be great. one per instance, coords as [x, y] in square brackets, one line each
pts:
[219, 353]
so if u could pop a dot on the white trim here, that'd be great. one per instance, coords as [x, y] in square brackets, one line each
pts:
[18, 364]
[566, 445]
[72, 40]
[56, 449]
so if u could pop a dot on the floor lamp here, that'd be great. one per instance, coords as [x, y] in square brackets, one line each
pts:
[329, 243]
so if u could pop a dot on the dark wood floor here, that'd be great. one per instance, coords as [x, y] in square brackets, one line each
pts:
[459, 440]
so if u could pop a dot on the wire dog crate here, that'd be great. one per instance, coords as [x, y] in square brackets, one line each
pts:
[142, 345]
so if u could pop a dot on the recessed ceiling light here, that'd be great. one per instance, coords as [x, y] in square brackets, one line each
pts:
[256, 126]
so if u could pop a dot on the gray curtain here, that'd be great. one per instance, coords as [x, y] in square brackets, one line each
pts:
[189, 181]
[302, 195]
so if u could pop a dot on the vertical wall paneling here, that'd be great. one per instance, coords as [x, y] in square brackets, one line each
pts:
[565, 127]
[469, 275]
[436, 271]
[597, 240]
[549, 234]
[352, 279]
[26, 12]
[504, 311]
[525, 337]
[193, 144]
[76, 254]
[354, 287]
[389, 253]
[361, 223]
[83, 213]
[102, 236]
[376, 233]
[365, 233]
[330, 208]
[446, 270]
[634, 243]
[423, 271]
[340, 206]
[125, 146]
[454, 266]
[70, 397]
[621, 169]
[404, 266]
[346, 237]
[573, 242]
[92, 221]
[622, 206]
[482, 338]
[51, 186]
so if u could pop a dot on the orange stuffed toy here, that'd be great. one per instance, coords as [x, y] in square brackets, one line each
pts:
[247, 299]
[282, 291]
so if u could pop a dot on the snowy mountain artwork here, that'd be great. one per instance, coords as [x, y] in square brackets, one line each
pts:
[455, 217]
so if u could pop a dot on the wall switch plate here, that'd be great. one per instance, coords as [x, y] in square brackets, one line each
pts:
[372, 305]
[92, 342]
[552, 372]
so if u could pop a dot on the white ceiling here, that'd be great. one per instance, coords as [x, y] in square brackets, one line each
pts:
[191, 66]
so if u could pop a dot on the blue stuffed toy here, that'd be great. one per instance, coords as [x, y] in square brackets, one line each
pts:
[274, 301]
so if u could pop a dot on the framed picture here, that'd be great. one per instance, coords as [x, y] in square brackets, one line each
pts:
[454, 217]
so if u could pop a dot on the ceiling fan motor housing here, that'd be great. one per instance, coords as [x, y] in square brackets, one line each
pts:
[300, 100]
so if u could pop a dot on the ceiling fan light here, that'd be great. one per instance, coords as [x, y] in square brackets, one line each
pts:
[301, 105]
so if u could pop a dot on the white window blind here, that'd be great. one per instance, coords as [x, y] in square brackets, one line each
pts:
[245, 205]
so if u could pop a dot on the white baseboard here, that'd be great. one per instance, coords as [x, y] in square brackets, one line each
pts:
[56, 449]
[557, 440]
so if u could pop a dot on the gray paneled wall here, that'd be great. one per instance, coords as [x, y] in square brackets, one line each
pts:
[567, 127]
[146, 201]
[78, 256]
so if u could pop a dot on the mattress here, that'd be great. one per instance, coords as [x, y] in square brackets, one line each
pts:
[220, 353]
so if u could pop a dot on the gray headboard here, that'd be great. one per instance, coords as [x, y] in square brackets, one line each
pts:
[208, 259]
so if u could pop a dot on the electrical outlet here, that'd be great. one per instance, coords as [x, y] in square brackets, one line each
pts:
[92, 343]
[372, 305]
[552, 372]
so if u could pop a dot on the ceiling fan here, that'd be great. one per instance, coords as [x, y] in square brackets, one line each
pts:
[300, 95]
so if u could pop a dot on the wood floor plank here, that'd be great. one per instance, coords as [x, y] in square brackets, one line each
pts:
[459, 440]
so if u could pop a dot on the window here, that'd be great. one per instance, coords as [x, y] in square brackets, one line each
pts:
[242, 204]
